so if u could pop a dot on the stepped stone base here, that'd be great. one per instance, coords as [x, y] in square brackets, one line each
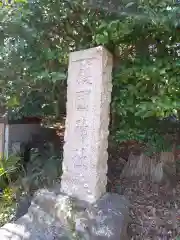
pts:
[60, 217]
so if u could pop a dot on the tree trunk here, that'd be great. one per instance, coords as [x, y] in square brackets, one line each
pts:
[156, 169]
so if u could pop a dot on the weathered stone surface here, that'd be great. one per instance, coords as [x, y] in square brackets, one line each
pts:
[58, 218]
[86, 135]
[26, 229]
[106, 219]
[42, 220]
[23, 206]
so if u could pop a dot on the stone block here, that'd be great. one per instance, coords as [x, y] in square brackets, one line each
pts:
[26, 229]
[61, 217]
[86, 135]
[106, 219]
[23, 206]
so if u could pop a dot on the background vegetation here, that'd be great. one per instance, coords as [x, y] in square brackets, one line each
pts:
[36, 38]
[144, 38]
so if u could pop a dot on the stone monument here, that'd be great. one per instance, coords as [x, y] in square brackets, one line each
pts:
[86, 135]
[81, 206]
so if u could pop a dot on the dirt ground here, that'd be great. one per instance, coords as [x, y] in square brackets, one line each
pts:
[155, 209]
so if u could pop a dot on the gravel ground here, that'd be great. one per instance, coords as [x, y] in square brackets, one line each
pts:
[155, 209]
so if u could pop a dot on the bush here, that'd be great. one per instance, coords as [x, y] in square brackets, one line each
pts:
[9, 169]
[7, 206]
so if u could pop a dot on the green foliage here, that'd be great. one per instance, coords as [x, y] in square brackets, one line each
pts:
[7, 211]
[8, 170]
[143, 38]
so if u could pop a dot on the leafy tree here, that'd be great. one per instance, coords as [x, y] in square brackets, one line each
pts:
[36, 38]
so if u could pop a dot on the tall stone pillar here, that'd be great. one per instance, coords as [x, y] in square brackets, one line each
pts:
[86, 135]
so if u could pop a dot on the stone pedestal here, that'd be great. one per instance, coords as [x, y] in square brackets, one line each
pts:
[86, 134]
[59, 217]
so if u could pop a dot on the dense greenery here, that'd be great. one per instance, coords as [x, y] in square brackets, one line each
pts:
[9, 173]
[9, 169]
[35, 41]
